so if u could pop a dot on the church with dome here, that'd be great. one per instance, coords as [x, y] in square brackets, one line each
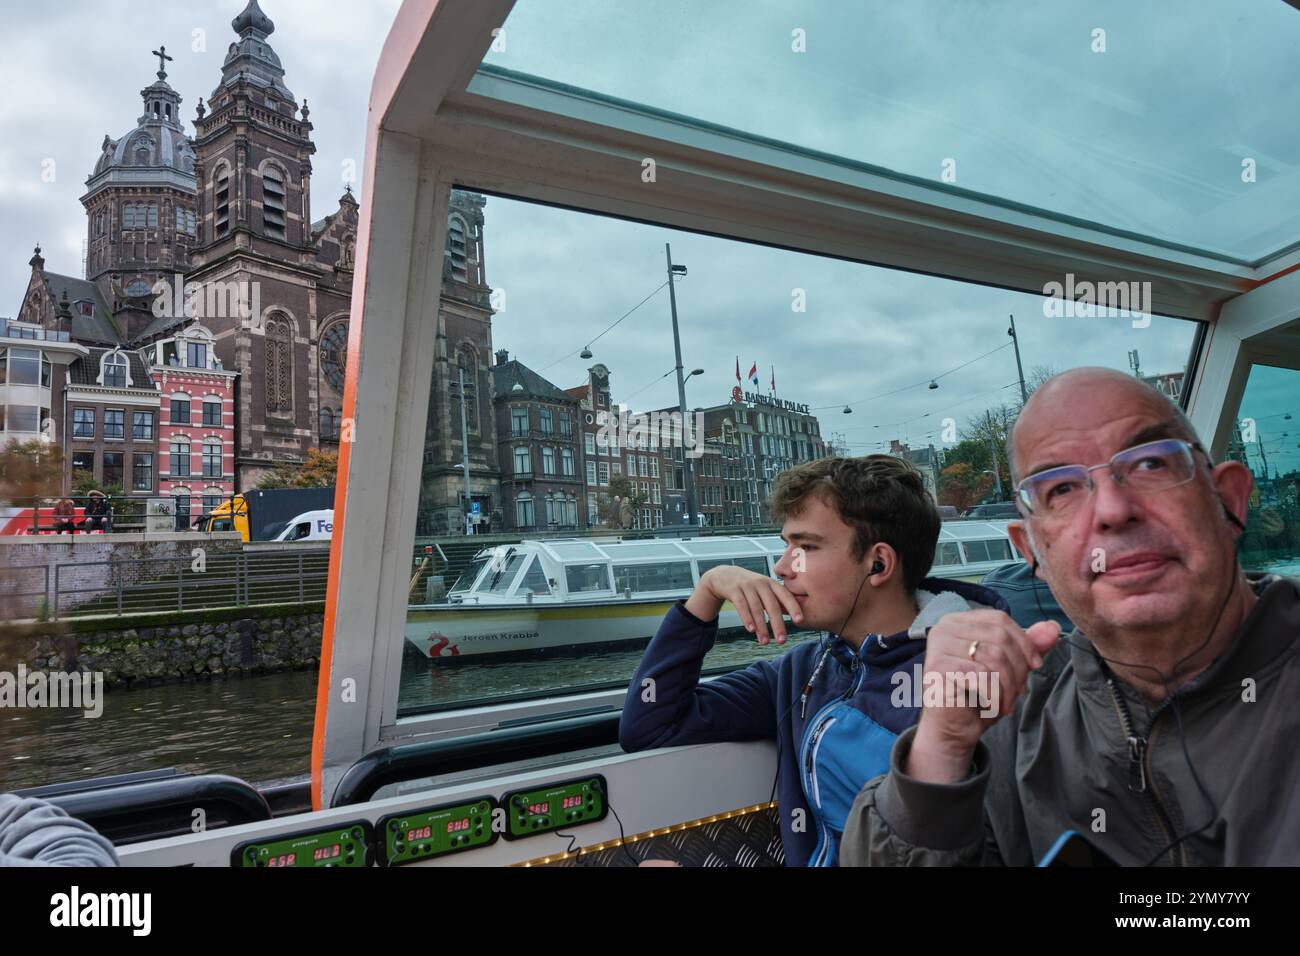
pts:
[206, 342]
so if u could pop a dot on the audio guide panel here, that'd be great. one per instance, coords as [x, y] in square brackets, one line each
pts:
[556, 806]
[347, 844]
[437, 831]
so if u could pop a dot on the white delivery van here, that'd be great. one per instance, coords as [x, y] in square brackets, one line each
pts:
[309, 526]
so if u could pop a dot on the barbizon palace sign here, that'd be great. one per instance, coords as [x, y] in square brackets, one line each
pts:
[755, 399]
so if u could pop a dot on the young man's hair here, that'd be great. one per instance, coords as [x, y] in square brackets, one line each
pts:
[883, 498]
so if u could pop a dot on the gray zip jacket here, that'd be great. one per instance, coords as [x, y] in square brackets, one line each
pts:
[36, 833]
[1084, 752]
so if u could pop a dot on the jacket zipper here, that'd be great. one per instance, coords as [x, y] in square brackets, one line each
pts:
[810, 742]
[1138, 755]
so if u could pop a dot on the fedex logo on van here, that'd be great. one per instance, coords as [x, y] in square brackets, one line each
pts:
[324, 527]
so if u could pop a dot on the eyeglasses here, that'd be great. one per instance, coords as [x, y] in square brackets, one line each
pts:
[1152, 466]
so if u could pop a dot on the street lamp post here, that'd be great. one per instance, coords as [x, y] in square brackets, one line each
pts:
[1015, 341]
[673, 271]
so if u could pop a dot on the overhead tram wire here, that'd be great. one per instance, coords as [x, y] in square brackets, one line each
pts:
[616, 321]
[946, 406]
[925, 381]
[629, 398]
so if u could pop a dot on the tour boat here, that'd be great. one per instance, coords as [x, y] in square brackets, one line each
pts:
[581, 593]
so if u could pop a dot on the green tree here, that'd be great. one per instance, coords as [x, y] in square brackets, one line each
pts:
[31, 469]
[319, 470]
[620, 506]
[962, 486]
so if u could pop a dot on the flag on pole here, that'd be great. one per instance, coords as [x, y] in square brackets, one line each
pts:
[773, 379]
[753, 374]
[738, 378]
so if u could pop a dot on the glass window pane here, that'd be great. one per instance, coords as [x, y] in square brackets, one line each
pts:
[758, 565]
[1267, 439]
[1145, 126]
[586, 577]
[675, 576]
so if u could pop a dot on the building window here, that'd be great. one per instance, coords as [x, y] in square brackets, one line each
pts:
[221, 196]
[593, 515]
[616, 468]
[114, 423]
[142, 426]
[273, 202]
[328, 427]
[591, 472]
[518, 422]
[279, 366]
[83, 423]
[211, 461]
[185, 221]
[654, 467]
[548, 461]
[589, 443]
[83, 462]
[566, 425]
[180, 411]
[544, 419]
[24, 367]
[550, 511]
[655, 495]
[182, 502]
[212, 412]
[114, 369]
[603, 469]
[211, 503]
[456, 248]
[196, 354]
[524, 510]
[566, 462]
[523, 462]
[142, 473]
[112, 468]
[180, 459]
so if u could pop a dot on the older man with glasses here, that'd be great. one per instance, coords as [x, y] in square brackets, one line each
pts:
[1164, 728]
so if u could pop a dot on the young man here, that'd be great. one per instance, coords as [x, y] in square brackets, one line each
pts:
[861, 535]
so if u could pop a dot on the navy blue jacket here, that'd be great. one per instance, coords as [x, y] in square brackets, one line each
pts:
[831, 738]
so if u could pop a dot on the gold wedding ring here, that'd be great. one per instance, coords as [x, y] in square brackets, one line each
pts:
[973, 646]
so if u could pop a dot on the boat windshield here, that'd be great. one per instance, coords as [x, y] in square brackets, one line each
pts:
[465, 581]
[502, 574]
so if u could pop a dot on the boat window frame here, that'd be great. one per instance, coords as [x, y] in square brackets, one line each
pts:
[439, 121]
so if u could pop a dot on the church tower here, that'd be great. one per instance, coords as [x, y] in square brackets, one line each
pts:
[140, 207]
[253, 165]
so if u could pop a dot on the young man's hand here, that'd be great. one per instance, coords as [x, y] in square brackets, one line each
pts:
[752, 595]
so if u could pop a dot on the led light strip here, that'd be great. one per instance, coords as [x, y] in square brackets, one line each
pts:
[675, 828]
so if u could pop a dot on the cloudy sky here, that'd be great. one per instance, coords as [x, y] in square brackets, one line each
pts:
[1148, 135]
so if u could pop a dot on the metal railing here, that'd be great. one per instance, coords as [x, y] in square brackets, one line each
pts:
[184, 583]
[21, 598]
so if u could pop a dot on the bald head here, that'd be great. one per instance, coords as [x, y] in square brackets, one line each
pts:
[1082, 398]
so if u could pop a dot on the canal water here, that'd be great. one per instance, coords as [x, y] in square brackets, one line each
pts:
[259, 728]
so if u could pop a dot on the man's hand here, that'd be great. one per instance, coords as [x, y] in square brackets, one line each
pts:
[751, 593]
[946, 735]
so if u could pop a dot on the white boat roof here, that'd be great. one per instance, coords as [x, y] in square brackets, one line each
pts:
[972, 530]
[585, 552]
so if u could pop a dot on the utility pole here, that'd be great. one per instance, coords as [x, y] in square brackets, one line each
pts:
[687, 471]
[464, 448]
[1020, 371]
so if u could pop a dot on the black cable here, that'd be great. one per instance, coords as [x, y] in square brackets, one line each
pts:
[807, 689]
